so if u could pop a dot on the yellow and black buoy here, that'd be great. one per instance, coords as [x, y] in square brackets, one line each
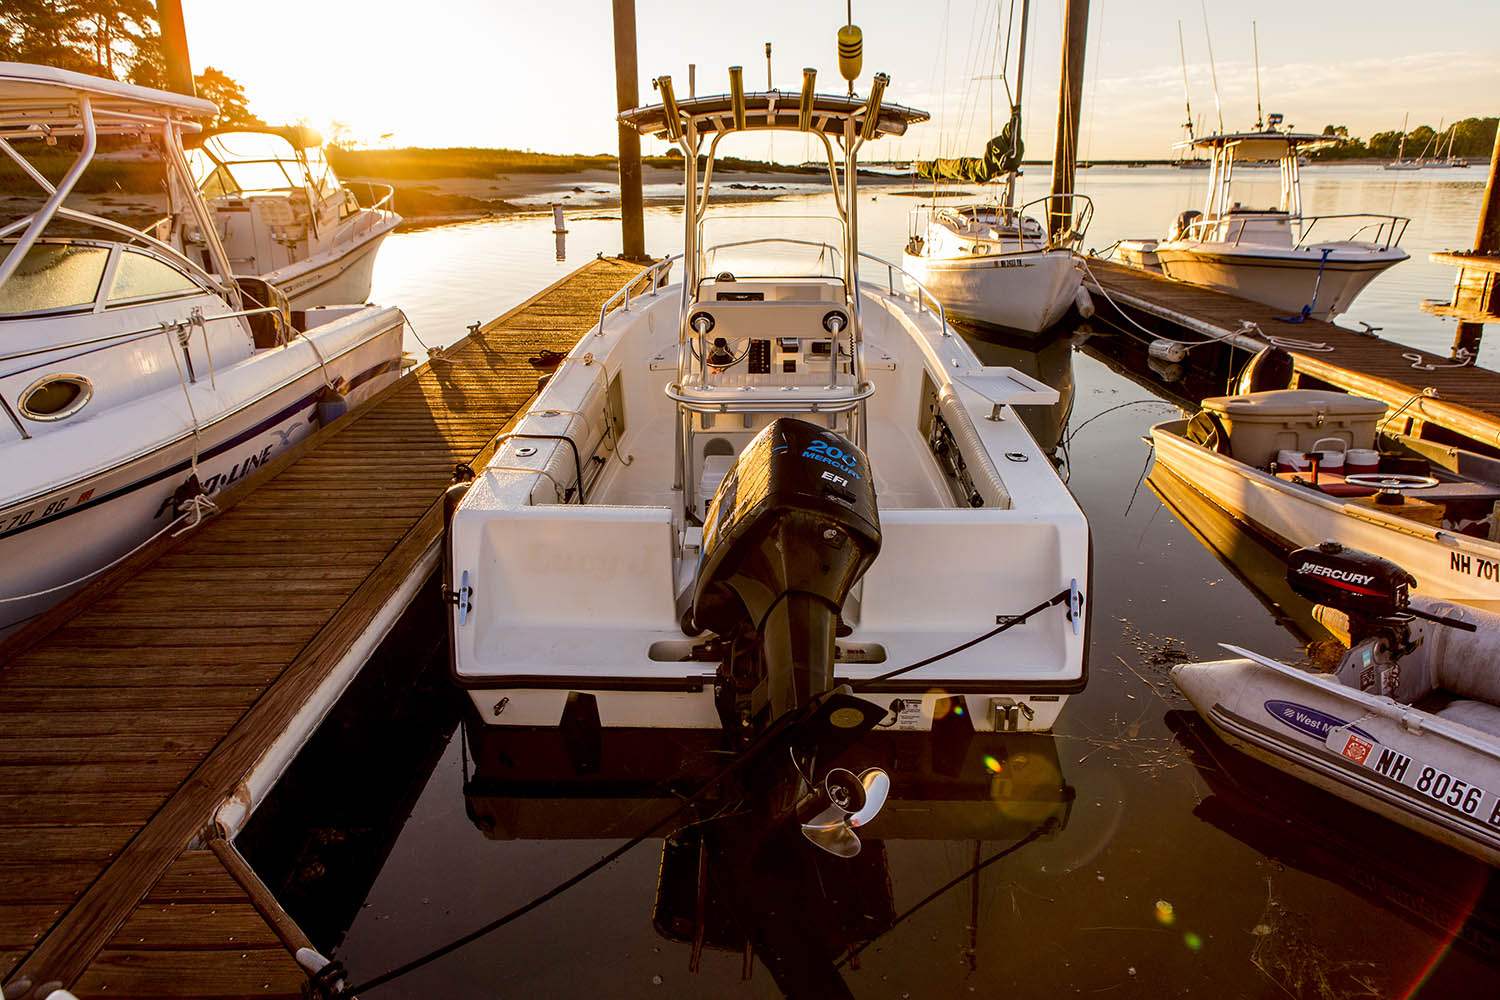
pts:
[851, 54]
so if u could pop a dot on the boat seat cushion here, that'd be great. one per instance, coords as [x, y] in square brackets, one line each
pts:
[1474, 714]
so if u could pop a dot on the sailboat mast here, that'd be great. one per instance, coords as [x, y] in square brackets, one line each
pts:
[1260, 119]
[1401, 148]
[1015, 108]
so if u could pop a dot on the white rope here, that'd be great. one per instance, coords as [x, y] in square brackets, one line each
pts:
[1465, 359]
[1250, 327]
[197, 508]
[1189, 344]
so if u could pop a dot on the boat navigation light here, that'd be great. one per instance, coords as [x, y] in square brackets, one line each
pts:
[872, 108]
[670, 116]
[804, 115]
[737, 94]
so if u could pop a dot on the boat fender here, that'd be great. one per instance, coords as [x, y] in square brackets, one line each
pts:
[1168, 350]
[463, 478]
[1083, 302]
[332, 404]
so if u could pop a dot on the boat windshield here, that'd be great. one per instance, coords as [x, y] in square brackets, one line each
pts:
[233, 163]
[740, 244]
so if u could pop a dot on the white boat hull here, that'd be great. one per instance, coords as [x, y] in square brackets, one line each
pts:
[1029, 291]
[1283, 279]
[52, 539]
[1437, 777]
[1447, 565]
[578, 601]
[338, 277]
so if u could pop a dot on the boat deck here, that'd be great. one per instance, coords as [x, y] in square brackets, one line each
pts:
[134, 710]
[1467, 400]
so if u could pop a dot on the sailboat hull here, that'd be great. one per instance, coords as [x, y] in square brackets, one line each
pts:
[1029, 291]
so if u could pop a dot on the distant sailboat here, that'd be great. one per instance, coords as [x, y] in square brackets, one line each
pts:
[1401, 162]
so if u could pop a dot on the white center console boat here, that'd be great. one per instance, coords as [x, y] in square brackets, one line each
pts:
[1309, 266]
[132, 377]
[748, 488]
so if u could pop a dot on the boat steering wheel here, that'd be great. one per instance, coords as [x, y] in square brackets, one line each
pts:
[1390, 481]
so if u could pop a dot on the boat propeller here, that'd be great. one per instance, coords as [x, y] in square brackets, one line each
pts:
[840, 804]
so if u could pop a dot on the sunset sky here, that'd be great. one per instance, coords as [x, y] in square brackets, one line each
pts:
[541, 75]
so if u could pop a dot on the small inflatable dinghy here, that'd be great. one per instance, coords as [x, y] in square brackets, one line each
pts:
[1408, 725]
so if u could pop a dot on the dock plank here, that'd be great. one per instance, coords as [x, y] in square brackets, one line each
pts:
[134, 709]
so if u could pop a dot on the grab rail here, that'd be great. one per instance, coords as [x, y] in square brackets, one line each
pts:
[656, 282]
[890, 271]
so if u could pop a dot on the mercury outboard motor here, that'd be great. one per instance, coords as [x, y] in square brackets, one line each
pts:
[1373, 595]
[791, 529]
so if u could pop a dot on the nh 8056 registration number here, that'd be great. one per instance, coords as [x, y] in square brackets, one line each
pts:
[1459, 795]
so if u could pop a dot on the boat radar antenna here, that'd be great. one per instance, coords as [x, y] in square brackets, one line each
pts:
[1213, 71]
[1255, 42]
[851, 50]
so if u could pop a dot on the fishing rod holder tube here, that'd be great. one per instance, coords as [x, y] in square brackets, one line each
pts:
[805, 108]
[871, 123]
[671, 117]
[737, 95]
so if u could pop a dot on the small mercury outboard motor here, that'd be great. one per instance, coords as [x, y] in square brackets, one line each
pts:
[1374, 595]
[791, 529]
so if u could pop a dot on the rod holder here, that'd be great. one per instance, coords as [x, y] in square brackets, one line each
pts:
[737, 94]
[805, 112]
[872, 107]
[670, 115]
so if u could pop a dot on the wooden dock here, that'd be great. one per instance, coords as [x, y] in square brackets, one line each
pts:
[1463, 400]
[133, 712]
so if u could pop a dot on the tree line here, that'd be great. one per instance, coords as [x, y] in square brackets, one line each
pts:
[1469, 137]
[116, 39]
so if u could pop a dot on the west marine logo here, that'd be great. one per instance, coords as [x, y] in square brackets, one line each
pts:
[1348, 576]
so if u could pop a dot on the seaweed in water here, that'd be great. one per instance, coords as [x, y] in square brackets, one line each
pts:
[1286, 954]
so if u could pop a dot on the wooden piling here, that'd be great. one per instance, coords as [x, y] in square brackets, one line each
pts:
[1069, 102]
[175, 48]
[627, 91]
[1486, 243]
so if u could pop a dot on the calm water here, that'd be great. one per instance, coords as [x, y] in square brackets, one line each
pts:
[1180, 868]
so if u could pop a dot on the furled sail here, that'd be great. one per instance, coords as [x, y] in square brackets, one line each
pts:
[1001, 156]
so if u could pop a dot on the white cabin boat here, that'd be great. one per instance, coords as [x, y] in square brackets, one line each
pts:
[283, 215]
[1408, 725]
[1310, 266]
[595, 564]
[132, 377]
[1437, 520]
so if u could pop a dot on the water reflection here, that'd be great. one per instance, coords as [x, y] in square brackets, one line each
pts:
[1048, 360]
[727, 880]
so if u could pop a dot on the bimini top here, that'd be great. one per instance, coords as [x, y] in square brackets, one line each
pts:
[43, 100]
[1269, 145]
[298, 136]
[773, 109]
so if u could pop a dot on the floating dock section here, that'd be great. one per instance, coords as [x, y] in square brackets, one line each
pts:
[1430, 389]
[170, 692]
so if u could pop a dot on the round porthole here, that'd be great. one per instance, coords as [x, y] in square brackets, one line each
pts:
[56, 396]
